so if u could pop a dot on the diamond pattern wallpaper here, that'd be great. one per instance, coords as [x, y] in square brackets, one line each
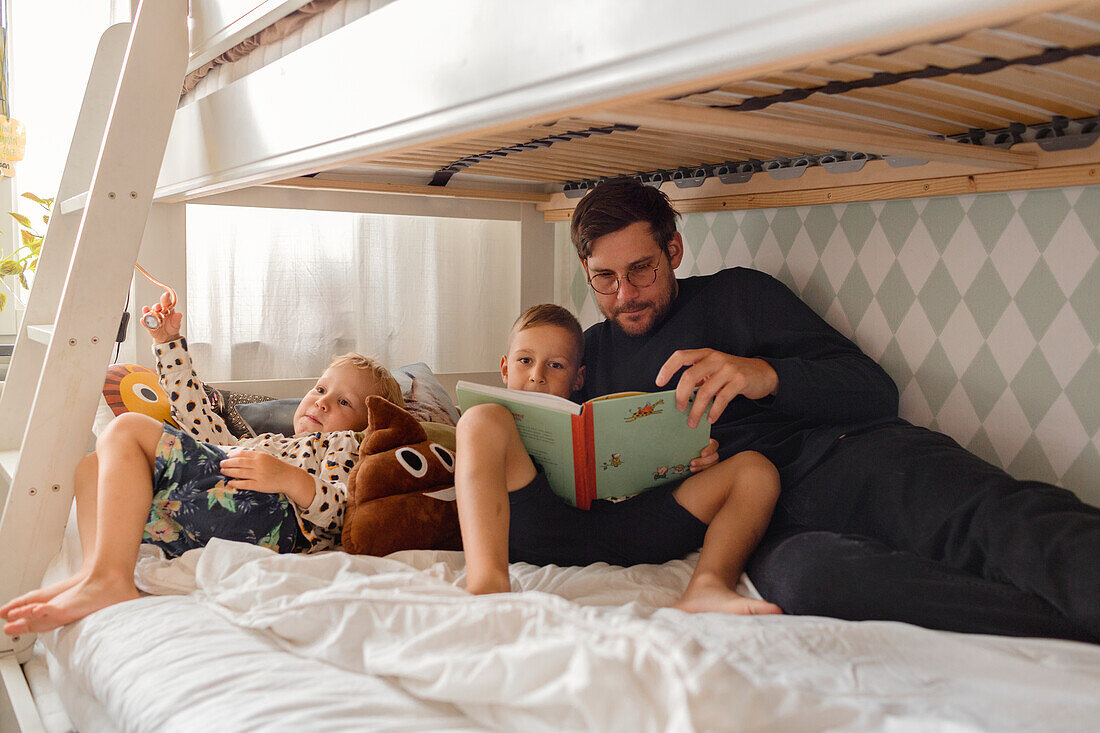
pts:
[984, 309]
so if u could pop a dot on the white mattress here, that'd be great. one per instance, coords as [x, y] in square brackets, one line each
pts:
[337, 16]
[244, 639]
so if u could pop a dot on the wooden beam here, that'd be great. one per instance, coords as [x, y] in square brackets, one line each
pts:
[1072, 175]
[744, 126]
[325, 184]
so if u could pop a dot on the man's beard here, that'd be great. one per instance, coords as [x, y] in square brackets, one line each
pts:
[654, 311]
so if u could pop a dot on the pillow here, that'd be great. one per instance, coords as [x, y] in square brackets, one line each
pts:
[270, 416]
[225, 404]
[425, 399]
[425, 395]
[134, 388]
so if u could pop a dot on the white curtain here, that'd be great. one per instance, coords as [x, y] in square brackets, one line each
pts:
[276, 293]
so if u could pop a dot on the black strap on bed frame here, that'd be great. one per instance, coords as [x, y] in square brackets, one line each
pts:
[443, 175]
[882, 78]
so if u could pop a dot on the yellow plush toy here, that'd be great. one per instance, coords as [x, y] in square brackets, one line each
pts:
[134, 388]
[390, 503]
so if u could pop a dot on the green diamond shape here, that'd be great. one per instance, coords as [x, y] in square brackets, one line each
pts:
[1086, 301]
[1083, 392]
[820, 224]
[1040, 299]
[578, 288]
[981, 446]
[1035, 387]
[893, 361]
[990, 214]
[897, 221]
[786, 277]
[983, 382]
[936, 377]
[1087, 207]
[819, 293]
[1083, 477]
[939, 297]
[754, 227]
[1043, 213]
[1032, 464]
[855, 296]
[785, 226]
[857, 221]
[941, 217]
[987, 298]
[895, 296]
[694, 230]
[724, 229]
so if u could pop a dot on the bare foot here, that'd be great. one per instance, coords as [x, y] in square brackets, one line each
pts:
[41, 595]
[87, 596]
[703, 597]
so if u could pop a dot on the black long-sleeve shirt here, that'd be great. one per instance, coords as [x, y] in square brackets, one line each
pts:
[827, 386]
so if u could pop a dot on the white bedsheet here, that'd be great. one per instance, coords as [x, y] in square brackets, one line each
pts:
[250, 640]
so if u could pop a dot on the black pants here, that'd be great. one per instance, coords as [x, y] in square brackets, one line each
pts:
[901, 523]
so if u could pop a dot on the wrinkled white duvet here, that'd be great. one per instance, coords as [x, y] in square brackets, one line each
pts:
[239, 638]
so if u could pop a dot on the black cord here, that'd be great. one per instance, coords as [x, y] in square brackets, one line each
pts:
[122, 328]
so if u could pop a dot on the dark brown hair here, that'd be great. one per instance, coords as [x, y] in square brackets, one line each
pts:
[548, 314]
[616, 204]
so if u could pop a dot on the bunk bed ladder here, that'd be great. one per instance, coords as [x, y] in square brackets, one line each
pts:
[65, 338]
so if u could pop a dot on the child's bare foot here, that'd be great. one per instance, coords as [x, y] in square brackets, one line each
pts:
[716, 597]
[41, 595]
[494, 583]
[87, 596]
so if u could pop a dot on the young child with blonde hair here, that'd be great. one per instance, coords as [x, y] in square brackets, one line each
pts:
[507, 511]
[150, 483]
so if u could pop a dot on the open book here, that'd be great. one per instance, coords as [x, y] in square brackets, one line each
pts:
[609, 447]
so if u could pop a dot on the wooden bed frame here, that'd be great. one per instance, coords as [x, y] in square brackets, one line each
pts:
[512, 110]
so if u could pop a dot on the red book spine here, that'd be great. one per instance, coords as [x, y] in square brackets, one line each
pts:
[580, 472]
[590, 455]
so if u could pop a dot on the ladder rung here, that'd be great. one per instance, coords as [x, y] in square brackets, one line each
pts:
[8, 459]
[41, 334]
[74, 203]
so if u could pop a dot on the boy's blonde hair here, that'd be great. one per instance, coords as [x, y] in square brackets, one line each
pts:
[384, 384]
[548, 314]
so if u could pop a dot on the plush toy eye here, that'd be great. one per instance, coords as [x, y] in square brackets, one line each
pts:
[412, 461]
[145, 393]
[445, 456]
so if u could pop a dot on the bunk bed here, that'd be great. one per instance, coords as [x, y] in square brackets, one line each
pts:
[503, 110]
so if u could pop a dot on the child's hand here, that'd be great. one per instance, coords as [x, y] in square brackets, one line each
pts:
[256, 471]
[707, 458]
[170, 322]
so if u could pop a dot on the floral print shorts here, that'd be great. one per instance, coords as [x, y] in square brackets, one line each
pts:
[192, 503]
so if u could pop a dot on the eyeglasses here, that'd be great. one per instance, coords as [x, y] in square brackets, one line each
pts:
[606, 283]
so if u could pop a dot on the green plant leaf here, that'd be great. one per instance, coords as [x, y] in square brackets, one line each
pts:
[35, 245]
[28, 237]
[35, 198]
[10, 267]
[23, 281]
[21, 219]
[3, 300]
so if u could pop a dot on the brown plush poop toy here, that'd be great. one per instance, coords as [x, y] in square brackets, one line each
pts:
[388, 509]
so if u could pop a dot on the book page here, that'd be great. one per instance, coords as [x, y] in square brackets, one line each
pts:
[642, 441]
[544, 427]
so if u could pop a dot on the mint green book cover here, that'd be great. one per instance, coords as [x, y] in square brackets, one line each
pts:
[640, 442]
[609, 447]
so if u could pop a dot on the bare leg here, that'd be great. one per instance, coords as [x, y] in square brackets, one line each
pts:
[735, 498]
[490, 461]
[85, 481]
[121, 502]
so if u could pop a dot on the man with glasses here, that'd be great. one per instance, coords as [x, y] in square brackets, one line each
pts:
[877, 518]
